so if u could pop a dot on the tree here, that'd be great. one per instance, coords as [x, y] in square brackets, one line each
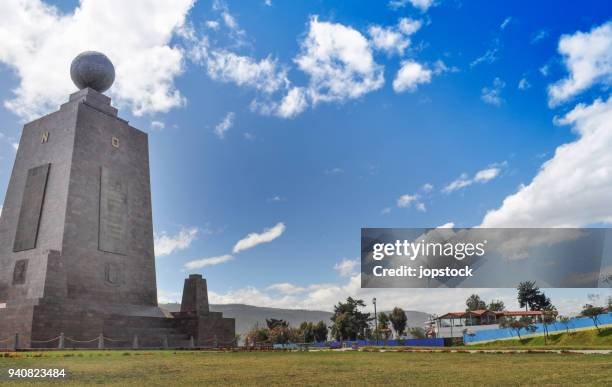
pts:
[417, 332]
[349, 322]
[383, 326]
[320, 331]
[306, 332]
[497, 305]
[531, 297]
[518, 325]
[593, 312]
[475, 303]
[565, 321]
[257, 335]
[549, 317]
[398, 321]
[273, 323]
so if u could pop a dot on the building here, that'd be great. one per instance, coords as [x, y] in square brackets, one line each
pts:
[453, 324]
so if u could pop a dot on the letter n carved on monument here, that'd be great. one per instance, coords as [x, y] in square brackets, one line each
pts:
[113, 212]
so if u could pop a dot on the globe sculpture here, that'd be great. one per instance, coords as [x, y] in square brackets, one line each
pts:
[92, 69]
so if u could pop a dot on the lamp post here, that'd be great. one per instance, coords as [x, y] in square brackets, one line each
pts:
[375, 320]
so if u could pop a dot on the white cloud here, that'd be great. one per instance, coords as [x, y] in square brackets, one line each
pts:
[339, 62]
[15, 146]
[286, 288]
[38, 42]
[167, 244]
[524, 84]
[226, 123]
[486, 174]
[203, 262]
[406, 200]
[421, 207]
[225, 66]
[492, 95]
[410, 75]
[293, 103]
[488, 57]
[505, 23]
[157, 125]
[346, 267]
[447, 225]
[385, 211]
[544, 70]
[427, 187]
[268, 3]
[394, 39]
[588, 58]
[540, 35]
[482, 176]
[212, 24]
[254, 239]
[409, 26]
[572, 189]
[422, 5]
[388, 39]
[165, 297]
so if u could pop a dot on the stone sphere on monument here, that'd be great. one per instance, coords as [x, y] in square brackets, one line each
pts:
[92, 69]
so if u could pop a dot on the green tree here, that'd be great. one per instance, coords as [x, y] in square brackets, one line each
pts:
[474, 302]
[531, 297]
[273, 323]
[320, 331]
[349, 322]
[565, 321]
[257, 335]
[549, 317]
[524, 323]
[383, 326]
[398, 321]
[417, 332]
[593, 312]
[497, 305]
[306, 332]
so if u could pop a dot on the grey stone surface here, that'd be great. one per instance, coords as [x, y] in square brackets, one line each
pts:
[92, 69]
[81, 277]
[31, 207]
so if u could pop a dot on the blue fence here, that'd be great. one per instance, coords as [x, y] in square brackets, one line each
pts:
[438, 342]
[573, 324]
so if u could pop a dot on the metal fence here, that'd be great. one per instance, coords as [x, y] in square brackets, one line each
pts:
[579, 323]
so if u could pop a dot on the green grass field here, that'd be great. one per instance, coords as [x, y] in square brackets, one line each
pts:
[315, 368]
[591, 339]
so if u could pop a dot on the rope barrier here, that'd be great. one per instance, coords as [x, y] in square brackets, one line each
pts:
[5, 340]
[45, 341]
[81, 341]
[116, 340]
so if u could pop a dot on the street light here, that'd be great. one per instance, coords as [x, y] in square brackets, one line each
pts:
[375, 320]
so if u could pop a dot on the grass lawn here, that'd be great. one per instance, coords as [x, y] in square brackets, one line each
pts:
[591, 339]
[315, 368]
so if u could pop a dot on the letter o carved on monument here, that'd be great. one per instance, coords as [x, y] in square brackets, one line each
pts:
[115, 142]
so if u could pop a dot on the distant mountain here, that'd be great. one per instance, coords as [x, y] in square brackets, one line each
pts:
[248, 315]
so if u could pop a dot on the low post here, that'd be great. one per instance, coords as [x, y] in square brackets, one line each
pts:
[135, 342]
[191, 342]
[101, 341]
[216, 342]
[60, 344]
[16, 341]
[165, 341]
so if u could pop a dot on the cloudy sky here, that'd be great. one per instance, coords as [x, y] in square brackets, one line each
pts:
[278, 129]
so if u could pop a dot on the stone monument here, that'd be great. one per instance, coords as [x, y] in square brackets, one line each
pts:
[76, 233]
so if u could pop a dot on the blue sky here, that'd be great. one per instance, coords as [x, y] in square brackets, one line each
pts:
[303, 121]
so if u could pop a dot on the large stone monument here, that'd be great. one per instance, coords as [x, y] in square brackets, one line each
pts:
[76, 234]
